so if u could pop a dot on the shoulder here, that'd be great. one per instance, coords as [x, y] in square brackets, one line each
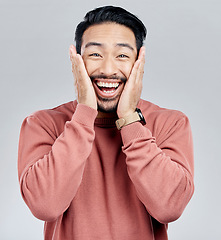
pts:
[153, 111]
[54, 118]
[65, 110]
[162, 120]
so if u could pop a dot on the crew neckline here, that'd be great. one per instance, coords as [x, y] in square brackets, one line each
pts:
[104, 122]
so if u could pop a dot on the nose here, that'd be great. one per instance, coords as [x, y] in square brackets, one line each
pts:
[108, 67]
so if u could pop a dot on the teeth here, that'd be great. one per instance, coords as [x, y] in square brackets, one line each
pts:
[108, 85]
[109, 91]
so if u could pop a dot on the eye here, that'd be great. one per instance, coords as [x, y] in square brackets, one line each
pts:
[123, 56]
[95, 55]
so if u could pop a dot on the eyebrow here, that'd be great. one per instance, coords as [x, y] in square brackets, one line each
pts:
[89, 44]
[93, 44]
[125, 45]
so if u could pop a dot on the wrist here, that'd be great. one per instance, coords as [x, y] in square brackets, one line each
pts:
[90, 102]
[131, 118]
[125, 114]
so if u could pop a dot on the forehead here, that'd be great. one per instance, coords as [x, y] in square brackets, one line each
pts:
[109, 34]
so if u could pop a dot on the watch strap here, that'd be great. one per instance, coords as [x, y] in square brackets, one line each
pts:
[121, 122]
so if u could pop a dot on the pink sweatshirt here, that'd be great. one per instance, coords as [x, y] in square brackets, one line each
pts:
[89, 181]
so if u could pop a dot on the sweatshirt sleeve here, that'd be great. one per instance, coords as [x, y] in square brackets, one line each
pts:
[50, 168]
[162, 171]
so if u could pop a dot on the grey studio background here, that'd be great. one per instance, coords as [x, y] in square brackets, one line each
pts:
[182, 72]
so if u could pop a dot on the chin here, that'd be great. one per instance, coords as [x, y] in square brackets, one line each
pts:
[107, 110]
[107, 106]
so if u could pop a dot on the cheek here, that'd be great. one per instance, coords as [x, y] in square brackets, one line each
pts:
[94, 66]
[126, 69]
[90, 65]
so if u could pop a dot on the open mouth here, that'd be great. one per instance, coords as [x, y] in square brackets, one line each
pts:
[107, 87]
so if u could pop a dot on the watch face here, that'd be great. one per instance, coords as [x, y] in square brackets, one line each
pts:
[142, 119]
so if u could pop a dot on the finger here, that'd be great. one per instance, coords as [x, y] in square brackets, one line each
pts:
[133, 74]
[140, 70]
[142, 52]
[141, 57]
[72, 51]
[80, 67]
[73, 58]
[138, 65]
[77, 61]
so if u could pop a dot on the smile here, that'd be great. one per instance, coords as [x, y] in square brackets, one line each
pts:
[107, 85]
[107, 89]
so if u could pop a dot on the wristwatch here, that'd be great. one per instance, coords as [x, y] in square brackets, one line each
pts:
[134, 117]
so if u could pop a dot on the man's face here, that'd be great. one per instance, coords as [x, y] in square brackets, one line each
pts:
[109, 52]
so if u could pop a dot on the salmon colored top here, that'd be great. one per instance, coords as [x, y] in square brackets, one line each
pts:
[89, 181]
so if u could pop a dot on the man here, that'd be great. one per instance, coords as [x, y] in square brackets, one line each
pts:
[88, 178]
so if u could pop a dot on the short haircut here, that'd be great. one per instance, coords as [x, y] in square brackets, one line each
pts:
[111, 14]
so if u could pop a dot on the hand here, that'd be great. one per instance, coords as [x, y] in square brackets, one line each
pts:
[133, 88]
[83, 85]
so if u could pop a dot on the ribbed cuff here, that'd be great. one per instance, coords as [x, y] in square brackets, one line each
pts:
[85, 115]
[134, 131]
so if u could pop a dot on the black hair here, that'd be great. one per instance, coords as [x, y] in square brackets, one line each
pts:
[111, 14]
